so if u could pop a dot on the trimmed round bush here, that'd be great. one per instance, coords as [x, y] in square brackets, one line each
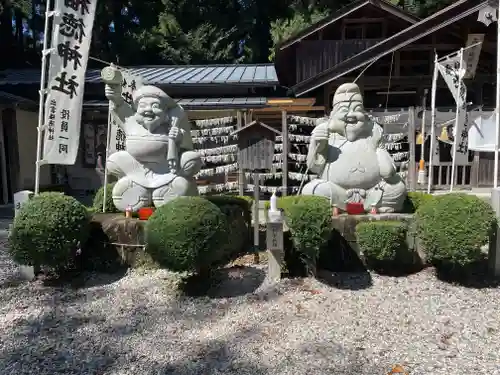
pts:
[187, 234]
[453, 227]
[238, 211]
[99, 197]
[383, 242]
[48, 231]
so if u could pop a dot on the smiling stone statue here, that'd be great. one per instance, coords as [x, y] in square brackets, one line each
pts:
[346, 152]
[158, 164]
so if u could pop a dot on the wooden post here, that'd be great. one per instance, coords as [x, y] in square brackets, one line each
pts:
[412, 173]
[256, 209]
[284, 134]
[494, 245]
[474, 171]
[241, 172]
[275, 248]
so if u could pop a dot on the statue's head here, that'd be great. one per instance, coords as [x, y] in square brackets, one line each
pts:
[151, 105]
[348, 116]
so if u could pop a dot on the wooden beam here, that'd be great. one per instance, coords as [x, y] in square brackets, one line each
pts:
[363, 20]
[241, 172]
[291, 101]
[289, 109]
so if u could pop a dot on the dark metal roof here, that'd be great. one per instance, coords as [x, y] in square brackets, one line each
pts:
[458, 10]
[7, 98]
[344, 11]
[194, 75]
[200, 103]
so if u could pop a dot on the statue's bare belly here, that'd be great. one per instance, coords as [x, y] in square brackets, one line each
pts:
[356, 166]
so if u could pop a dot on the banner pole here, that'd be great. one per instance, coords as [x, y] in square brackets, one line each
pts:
[433, 124]
[457, 121]
[41, 103]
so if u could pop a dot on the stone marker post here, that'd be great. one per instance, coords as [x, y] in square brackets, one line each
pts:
[275, 248]
[494, 247]
[20, 198]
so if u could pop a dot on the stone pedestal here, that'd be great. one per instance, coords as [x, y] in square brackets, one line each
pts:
[275, 246]
[345, 225]
[120, 237]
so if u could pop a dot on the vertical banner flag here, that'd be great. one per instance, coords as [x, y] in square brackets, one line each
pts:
[453, 69]
[70, 44]
[471, 54]
[116, 142]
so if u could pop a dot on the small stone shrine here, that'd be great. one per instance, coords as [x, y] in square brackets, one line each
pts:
[346, 151]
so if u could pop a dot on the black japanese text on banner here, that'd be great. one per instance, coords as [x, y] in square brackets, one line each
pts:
[453, 72]
[70, 44]
[130, 83]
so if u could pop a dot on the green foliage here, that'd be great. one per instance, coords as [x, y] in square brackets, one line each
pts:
[453, 227]
[383, 242]
[99, 197]
[309, 219]
[239, 216]
[49, 230]
[416, 199]
[283, 29]
[187, 234]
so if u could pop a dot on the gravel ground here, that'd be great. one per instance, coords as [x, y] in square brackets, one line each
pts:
[137, 325]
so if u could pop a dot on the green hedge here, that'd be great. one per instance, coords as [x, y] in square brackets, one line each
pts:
[383, 244]
[453, 227]
[49, 230]
[309, 219]
[187, 234]
[99, 197]
[416, 199]
[239, 216]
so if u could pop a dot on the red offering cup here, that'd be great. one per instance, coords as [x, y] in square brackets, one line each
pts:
[145, 213]
[355, 208]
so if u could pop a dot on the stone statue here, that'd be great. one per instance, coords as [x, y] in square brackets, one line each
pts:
[346, 152]
[158, 164]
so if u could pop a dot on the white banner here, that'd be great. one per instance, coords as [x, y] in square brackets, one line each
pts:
[72, 33]
[472, 52]
[452, 69]
[130, 83]
[482, 134]
[461, 133]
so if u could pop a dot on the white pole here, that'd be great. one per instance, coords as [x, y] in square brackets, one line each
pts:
[457, 120]
[108, 144]
[41, 103]
[433, 122]
[424, 103]
[497, 109]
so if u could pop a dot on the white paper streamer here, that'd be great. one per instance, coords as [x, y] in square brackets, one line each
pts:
[220, 139]
[211, 132]
[301, 120]
[214, 122]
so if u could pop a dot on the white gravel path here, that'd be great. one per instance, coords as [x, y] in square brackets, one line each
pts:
[136, 325]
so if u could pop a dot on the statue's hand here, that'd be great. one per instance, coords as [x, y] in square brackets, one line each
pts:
[175, 133]
[113, 93]
[320, 135]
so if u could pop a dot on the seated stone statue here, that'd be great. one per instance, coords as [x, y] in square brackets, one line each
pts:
[158, 164]
[346, 152]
